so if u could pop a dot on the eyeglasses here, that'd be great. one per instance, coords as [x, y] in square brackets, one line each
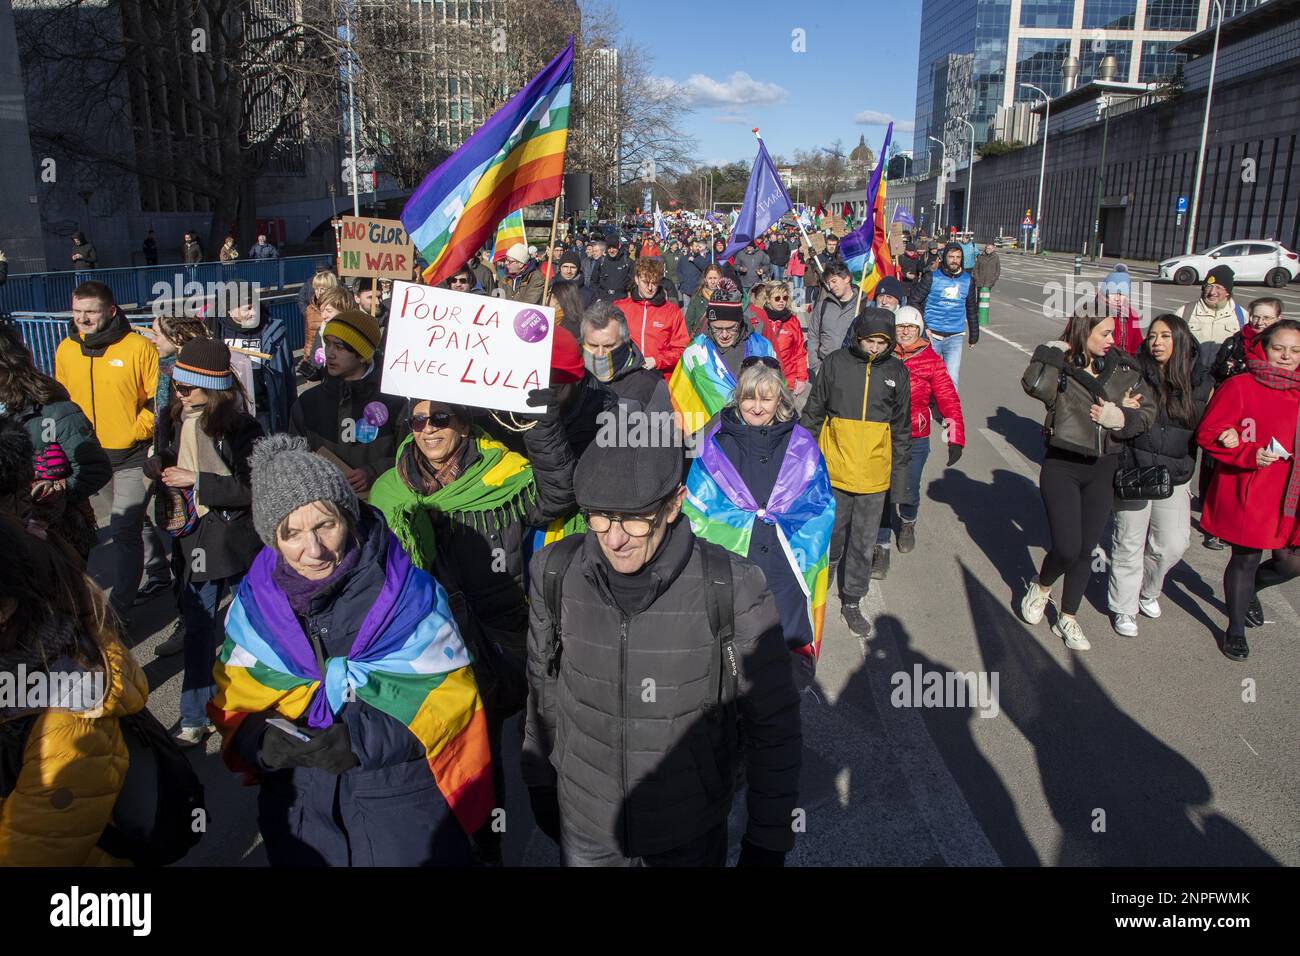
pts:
[182, 389]
[752, 360]
[437, 419]
[636, 526]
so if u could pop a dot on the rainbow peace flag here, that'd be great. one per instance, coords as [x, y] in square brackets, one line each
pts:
[516, 158]
[701, 384]
[721, 509]
[509, 232]
[866, 249]
[408, 661]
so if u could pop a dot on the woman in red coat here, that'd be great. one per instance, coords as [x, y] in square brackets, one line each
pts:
[1251, 431]
[781, 327]
[930, 379]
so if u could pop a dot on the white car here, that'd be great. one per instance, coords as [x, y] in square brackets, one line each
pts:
[1255, 261]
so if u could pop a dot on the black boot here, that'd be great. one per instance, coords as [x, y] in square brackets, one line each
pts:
[906, 536]
[858, 624]
[1235, 647]
[1255, 613]
[879, 563]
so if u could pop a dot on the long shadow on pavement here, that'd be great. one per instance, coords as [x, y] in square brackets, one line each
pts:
[1097, 764]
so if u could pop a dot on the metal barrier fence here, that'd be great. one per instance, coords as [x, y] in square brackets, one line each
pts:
[43, 331]
[140, 286]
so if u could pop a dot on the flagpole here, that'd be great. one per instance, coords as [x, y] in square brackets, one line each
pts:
[550, 248]
[799, 222]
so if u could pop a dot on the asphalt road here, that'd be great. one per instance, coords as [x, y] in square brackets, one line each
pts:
[1148, 751]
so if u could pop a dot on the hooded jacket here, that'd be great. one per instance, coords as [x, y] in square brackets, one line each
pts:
[828, 327]
[72, 768]
[646, 776]
[337, 416]
[658, 328]
[751, 265]
[112, 375]
[852, 387]
[690, 272]
[931, 382]
[1069, 393]
[785, 333]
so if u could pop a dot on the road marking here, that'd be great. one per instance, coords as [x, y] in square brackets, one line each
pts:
[985, 330]
[1011, 455]
[1247, 743]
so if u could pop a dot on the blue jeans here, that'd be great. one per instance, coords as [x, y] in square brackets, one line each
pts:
[920, 452]
[778, 272]
[949, 348]
[199, 603]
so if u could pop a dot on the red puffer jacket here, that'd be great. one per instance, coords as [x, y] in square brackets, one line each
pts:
[930, 377]
[658, 328]
[786, 336]
[1244, 504]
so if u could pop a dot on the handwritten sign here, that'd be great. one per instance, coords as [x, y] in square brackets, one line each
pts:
[466, 349]
[375, 247]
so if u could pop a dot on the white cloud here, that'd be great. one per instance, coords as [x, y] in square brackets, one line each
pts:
[739, 89]
[877, 118]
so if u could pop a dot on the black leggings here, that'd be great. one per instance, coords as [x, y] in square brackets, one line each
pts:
[1078, 493]
[1246, 574]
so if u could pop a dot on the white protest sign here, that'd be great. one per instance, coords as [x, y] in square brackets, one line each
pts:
[466, 349]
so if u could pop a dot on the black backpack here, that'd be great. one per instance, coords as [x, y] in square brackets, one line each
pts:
[160, 801]
[719, 593]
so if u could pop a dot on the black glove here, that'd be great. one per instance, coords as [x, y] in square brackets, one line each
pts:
[545, 802]
[309, 370]
[546, 400]
[954, 454]
[329, 750]
[753, 855]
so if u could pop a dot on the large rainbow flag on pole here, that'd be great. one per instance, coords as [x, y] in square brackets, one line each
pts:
[516, 158]
[866, 249]
[721, 509]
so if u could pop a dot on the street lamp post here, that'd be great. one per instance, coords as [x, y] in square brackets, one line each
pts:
[1042, 167]
[1104, 104]
[1205, 132]
[970, 178]
[943, 173]
[352, 113]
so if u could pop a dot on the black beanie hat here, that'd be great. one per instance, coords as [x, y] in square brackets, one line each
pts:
[1220, 275]
[571, 258]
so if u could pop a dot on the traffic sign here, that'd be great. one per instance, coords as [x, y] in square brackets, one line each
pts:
[1028, 223]
[1182, 204]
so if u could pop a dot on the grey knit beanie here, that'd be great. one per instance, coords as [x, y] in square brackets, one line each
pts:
[286, 476]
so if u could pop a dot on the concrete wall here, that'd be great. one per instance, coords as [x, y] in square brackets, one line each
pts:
[1251, 186]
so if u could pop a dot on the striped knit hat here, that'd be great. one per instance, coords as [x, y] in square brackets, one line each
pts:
[357, 330]
[204, 363]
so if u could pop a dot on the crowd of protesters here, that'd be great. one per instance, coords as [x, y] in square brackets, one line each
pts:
[405, 576]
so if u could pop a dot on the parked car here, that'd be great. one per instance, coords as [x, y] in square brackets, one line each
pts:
[1255, 261]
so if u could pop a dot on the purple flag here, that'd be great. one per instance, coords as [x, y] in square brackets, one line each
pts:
[766, 201]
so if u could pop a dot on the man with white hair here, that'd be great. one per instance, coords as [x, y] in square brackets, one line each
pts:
[523, 281]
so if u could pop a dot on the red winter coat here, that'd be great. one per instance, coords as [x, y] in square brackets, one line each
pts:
[658, 329]
[929, 377]
[1243, 505]
[786, 336]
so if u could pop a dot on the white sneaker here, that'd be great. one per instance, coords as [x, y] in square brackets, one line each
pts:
[192, 736]
[1126, 625]
[1068, 629]
[1035, 602]
[1149, 608]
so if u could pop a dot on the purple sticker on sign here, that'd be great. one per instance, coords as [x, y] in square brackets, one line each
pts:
[376, 413]
[531, 325]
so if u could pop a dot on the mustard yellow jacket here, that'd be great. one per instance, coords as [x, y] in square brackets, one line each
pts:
[114, 389]
[72, 770]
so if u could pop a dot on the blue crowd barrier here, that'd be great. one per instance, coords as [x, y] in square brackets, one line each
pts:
[141, 285]
[43, 331]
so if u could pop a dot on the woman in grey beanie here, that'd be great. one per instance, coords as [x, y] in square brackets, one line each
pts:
[335, 644]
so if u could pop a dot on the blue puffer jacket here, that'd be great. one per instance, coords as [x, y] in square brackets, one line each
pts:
[757, 453]
[388, 811]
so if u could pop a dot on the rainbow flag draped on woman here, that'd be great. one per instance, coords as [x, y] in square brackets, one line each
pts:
[407, 660]
[702, 384]
[721, 509]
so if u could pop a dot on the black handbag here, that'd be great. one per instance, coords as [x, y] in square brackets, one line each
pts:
[1134, 482]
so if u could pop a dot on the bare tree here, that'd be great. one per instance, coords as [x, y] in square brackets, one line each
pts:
[824, 171]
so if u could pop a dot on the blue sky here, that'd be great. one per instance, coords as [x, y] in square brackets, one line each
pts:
[734, 61]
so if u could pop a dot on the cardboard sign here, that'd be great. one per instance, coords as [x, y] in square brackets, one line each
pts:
[466, 349]
[375, 247]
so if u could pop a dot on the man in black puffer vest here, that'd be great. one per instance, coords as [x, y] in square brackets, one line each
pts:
[651, 656]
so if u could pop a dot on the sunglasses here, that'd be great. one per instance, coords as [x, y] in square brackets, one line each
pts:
[182, 389]
[752, 360]
[437, 419]
[777, 298]
[460, 281]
